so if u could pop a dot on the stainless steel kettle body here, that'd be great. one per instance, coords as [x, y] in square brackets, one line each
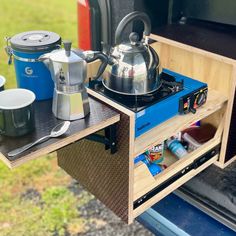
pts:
[134, 67]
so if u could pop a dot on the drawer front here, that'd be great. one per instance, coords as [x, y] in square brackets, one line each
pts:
[147, 200]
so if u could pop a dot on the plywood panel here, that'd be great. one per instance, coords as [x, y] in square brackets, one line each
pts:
[214, 72]
[92, 69]
[100, 117]
[172, 126]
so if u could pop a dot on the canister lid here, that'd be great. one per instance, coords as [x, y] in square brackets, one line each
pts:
[35, 41]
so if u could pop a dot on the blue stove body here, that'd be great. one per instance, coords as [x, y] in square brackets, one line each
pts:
[159, 112]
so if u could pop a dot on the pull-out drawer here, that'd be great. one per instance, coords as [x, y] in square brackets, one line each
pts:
[148, 189]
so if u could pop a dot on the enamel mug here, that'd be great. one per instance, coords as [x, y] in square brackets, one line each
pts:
[16, 112]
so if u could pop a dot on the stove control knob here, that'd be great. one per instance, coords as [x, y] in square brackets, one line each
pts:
[201, 99]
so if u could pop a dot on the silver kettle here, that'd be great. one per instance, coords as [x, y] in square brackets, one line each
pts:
[133, 67]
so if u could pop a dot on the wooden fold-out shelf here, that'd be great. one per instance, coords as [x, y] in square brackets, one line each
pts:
[215, 101]
[100, 117]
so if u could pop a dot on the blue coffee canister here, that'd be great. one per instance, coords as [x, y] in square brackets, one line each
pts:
[31, 73]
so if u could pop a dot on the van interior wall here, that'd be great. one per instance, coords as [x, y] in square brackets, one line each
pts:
[119, 9]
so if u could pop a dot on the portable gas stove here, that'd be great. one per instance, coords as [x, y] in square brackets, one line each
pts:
[177, 94]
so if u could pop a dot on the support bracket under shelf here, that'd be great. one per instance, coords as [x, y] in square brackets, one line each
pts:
[109, 139]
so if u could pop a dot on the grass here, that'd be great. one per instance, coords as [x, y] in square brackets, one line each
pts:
[17, 16]
[35, 199]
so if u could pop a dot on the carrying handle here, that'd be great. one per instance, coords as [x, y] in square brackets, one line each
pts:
[136, 15]
[91, 56]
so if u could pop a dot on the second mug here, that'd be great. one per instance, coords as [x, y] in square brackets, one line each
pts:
[16, 112]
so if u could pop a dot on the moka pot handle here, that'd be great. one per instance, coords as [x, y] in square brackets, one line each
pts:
[91, 56]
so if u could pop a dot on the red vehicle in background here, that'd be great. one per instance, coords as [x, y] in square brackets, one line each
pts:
[84, 22]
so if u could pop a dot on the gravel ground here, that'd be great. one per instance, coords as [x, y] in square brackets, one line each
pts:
[100, 221]
[97, 219]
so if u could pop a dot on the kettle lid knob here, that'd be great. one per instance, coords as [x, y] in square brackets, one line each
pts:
[134, 38]
[67, 46]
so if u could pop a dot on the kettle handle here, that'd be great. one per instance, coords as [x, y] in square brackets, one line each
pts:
[136, 15]
[95, 56]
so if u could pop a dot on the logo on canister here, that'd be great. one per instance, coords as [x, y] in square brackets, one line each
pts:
[28, 70]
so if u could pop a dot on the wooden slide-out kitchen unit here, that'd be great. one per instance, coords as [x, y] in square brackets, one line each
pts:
[129, 189]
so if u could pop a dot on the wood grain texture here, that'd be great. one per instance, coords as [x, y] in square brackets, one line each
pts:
[224, 165]
[216, 119]
[131, 165]
[100, 117]
[223, 158]
[215, 101]
[193, 49]
[142, 179]
[216, 73]
[104, 175]
[216, 70]
[92, 69]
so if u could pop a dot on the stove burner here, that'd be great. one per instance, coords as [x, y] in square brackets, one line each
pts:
[137, 103]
